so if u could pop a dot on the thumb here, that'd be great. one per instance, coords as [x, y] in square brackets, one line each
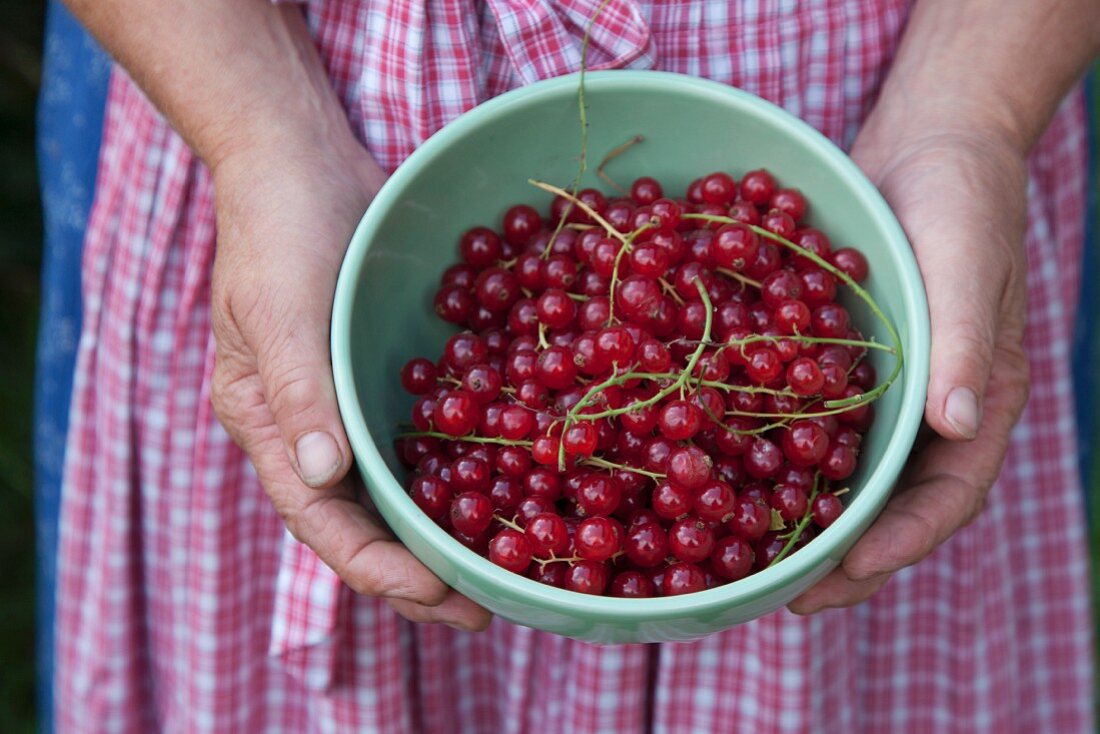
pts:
[295, 368]
[965, 291]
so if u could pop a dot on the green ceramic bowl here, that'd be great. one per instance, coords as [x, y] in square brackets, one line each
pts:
[469, 173]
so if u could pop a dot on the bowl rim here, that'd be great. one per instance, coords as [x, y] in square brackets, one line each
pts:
[875, 488]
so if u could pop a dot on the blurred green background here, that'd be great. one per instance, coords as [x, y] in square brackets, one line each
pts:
[20, 254]
[20, 257]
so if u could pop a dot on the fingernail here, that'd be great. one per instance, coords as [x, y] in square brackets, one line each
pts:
[318, 458]
[962, 411]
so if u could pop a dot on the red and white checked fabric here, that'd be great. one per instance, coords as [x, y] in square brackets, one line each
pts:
[184, 606]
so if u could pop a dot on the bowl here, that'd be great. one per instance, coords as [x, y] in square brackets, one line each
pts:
[468, 173]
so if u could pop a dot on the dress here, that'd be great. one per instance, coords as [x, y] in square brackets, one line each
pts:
[185, 607]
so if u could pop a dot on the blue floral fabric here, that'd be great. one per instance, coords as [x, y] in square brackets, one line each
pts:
[70, 123]
[1086, 363]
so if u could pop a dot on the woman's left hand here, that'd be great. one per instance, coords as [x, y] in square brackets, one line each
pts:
[962, 201]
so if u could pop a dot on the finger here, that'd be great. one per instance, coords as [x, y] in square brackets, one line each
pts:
[972, 263]
[836, 590]
[288, 330]
[456, 611]
[361, 552]
[335, 525]
[964, 320]
[945, 487]
[943, 490]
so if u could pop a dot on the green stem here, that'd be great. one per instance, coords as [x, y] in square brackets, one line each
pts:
[575, 414]
[848, 281]
[605, 464]
[584, 207]
[583, 164]
[507, 523]
[468, 439]
[800, 339]
[800, 527]
[738, 277]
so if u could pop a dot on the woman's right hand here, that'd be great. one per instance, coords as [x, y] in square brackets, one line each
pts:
[284, 218]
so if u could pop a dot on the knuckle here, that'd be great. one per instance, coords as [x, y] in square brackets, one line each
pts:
[370, 578]
[292, 390]
[367, 582]
[979, 499]
[1017, 381]
[974, 342]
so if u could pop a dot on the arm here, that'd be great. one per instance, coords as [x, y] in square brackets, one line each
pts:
[974, 85]
[244, 86]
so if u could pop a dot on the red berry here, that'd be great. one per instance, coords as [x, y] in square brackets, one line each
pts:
[632, 585]
[804, 443]
[432, 495]
[750, 519]
[551, 574]
[598, 538]
[790, 202]
[587, 577]
[599, 494]
[682, 578]
[544, 450]
[470, 474]
[547, 535]
[763, 458]
[679, 420]
[779, 287]
[719, 188]
[763, 365]
[689, 466]
[646, 545]
[579, 439]
[691, 540]
[497, 289]
[649, 260]
[851, 262]
[838, 463]
[614, 345]
[456, 414]
[510, 550]
[521, 222]
[671, 500]
[418, 376]
[464, 350]
[471, 513]
[516, 422]
[559, 271]
[594, 313]
[826, 509]
[542, 482]
[715, 501]
[790, 502]
[805, 377]
[505, 493]
[666, 213]
[480, 247]
[830, 321]
[482, 382]
[555, 368]
[454, 304]
[556, 309]
[654, 356]
[645, 190]
[732, 558]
